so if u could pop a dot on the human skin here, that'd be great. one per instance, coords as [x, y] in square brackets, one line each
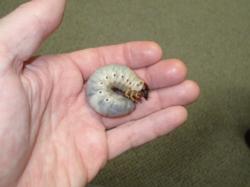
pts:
[49, 136]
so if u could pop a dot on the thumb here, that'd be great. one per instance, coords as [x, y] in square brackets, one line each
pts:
[23, 30]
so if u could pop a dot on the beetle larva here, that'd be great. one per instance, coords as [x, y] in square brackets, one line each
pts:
[113, 90]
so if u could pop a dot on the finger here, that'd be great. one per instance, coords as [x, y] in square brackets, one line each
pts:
[132, 54]
[136, 133]
[163, 74]
[23, 30]
[182, 94]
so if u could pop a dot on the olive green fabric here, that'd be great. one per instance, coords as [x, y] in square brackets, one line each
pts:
[213, 39]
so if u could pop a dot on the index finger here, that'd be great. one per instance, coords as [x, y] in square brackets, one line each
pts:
[133, 54]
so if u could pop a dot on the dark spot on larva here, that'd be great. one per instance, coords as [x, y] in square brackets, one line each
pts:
[107, 99]
[130, 83]
[114, 75]
[101, 82]
[127, 80]
[107, 77]
[100, 92]
[122, 76]
[117, 91]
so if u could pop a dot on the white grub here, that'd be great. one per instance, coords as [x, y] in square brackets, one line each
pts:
[101, 95]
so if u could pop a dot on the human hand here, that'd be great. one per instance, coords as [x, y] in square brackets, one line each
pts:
[49, 136]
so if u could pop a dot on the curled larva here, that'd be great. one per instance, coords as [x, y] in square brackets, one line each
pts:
[113, 90]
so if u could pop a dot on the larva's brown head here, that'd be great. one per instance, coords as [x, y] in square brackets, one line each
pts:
[145, 91]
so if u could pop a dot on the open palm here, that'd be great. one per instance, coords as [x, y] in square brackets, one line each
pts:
[49, 136]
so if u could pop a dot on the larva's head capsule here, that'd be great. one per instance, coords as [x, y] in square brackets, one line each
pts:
[145, 91]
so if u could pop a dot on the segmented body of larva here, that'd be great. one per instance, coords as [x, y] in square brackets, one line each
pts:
[113, 90]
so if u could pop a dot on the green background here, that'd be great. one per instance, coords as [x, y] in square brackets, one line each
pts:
[213, 38]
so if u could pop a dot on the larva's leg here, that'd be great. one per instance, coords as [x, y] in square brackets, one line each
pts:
[127, 93]
[138, 96]
[133, 96]
[130, 95]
